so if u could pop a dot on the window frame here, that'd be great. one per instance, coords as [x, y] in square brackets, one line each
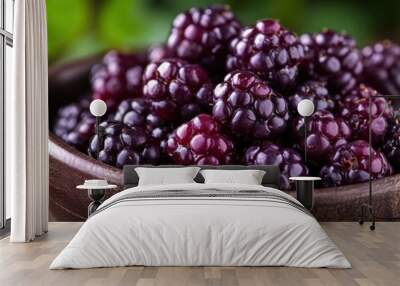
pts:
[6, 39]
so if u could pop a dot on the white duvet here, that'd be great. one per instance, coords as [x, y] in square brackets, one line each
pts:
[200, 231]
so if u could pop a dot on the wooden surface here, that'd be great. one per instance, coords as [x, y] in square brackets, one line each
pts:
[375, 257]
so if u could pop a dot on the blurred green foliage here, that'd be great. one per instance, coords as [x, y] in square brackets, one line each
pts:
[81, 27]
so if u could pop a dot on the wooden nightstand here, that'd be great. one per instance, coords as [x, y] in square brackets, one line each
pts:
[305, 190]
[96, 195]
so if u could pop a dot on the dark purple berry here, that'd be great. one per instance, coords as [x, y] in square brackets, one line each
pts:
[382, 67]
[270, 51]
[333, 56]
[325, 133]
[75, 125]
[136, 113]
[122, 145]
[202, 35]
[316, 91]
[200, 142]
[119, 76]
[248, 108]
[159, 52]
[349, 165]
[289, 161]
[355, 110]
[176, 90]
[391, 146]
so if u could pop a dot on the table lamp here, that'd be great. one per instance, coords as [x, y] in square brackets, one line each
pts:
[305, 108]
[98, 108]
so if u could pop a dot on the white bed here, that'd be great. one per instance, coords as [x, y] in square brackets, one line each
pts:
[248, 226]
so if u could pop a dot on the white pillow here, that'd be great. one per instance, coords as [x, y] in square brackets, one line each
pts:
[164, 176]
[248, 177]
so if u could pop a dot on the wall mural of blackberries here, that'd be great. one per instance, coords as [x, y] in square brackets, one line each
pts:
[122, 144]
[333, 56]
[203, 35]
[200, 142]
[75, 125]
[269, 50]
[289, 160]
[349, 165]
[355, 110]
[315, 90]
[218, 92]
[382, 66]
[248, 108]
[176, 90]
[325, 133]
[117, 77]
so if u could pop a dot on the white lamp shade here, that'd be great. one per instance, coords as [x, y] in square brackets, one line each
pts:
[305, 107]
[98, 107]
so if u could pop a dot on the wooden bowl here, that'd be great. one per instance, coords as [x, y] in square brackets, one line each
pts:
[69, 167]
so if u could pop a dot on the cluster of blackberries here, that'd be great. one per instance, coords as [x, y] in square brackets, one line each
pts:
[219, 93]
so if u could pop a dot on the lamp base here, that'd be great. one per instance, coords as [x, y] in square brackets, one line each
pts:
[367, 209]
[96, 196]
[305, 192]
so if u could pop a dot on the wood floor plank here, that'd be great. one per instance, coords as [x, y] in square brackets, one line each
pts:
[375, 257]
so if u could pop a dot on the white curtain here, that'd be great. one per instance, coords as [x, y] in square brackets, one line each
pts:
[27, 124]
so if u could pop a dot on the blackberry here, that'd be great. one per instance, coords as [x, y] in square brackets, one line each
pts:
[200, 142]
[316, 91]
[270, 51]
[176, 90]
[349, 165]
[391, 146]
[325, 132]
[289, 161]
[75, 125]
[122, 145]
[248, 108]
[118, 77]
[159, 52]
[382, 67]
[333, 56]
[355, 110]
[136, 113]
[202, 36]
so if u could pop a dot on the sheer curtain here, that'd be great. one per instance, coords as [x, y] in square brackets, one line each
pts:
[27, 124]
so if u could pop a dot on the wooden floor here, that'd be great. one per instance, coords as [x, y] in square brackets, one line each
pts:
[375, 257]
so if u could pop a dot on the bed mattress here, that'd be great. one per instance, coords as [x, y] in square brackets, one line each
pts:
[201, 225]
